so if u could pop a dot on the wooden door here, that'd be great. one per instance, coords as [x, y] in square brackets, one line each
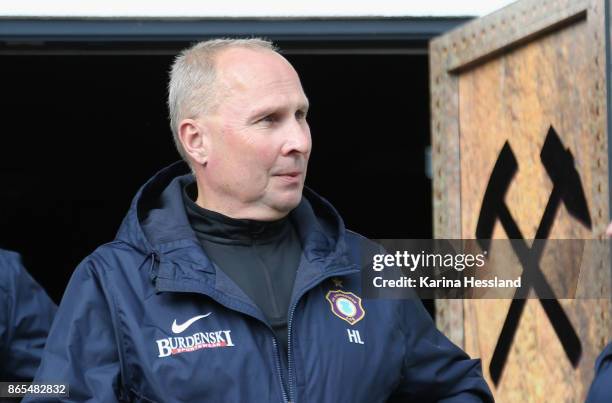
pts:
[506, 87]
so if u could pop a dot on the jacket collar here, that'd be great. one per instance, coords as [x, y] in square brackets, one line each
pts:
[157, 223]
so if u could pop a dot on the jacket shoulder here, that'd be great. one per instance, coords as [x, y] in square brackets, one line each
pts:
[13, 274]
[361, 249]
[357, 237]
[10, 266]
[112, 258]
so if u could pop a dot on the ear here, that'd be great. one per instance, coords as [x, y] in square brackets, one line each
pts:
[194, 139]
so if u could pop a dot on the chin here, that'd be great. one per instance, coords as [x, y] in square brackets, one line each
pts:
[288, 202]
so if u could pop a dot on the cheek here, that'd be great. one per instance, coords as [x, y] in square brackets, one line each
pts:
[256, 157]
[257, 167]
[246, 167]
[243, 159]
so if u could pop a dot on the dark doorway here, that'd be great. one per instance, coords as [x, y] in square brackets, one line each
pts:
[81, 134]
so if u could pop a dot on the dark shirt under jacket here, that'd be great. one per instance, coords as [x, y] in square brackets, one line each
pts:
[261, 257]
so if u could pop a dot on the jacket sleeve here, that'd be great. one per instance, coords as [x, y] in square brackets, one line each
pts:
[435, 370]
[81, 350]
[26, 314]
[601, 388]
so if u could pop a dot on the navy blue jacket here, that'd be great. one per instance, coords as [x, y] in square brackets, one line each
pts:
[148, 317]
[601, 388]
[26, 314]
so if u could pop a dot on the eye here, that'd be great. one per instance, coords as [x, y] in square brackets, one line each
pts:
[272, 118]
[300, 114]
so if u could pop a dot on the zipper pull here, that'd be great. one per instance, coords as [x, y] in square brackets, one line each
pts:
[153, 268]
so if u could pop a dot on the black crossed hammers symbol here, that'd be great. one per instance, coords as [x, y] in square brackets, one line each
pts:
[567, 189]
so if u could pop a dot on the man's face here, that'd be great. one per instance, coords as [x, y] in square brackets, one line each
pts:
[258, 138]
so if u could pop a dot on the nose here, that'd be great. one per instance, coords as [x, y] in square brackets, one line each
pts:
[298, 138]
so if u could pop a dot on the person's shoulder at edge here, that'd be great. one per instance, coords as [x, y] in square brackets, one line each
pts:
[25, 319]
[10, 266]
[601, 388]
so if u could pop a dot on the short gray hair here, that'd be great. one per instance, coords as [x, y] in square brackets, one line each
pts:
[191, 89]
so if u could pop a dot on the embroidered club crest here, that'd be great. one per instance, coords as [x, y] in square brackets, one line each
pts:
[346, 306]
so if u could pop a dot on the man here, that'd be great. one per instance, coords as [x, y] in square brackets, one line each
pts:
[236, 284]
[26, 314]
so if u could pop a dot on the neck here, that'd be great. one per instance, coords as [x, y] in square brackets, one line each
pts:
[237, 210]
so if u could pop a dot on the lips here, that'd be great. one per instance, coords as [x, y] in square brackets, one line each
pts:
[289, 176]
[288, 172]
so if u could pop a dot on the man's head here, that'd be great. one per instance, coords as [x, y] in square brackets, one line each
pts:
[238, 115]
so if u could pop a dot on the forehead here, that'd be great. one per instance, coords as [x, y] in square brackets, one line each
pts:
[257, 75]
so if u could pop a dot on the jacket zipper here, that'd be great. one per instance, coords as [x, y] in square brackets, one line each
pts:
[278, 369]
[291, 312]
[289, 346]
